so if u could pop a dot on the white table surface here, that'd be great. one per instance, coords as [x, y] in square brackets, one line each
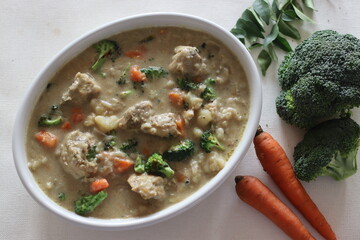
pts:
[32, 32]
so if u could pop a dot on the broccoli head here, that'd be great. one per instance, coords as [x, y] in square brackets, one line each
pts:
[156, 165]
[208, 141]
[87, 204]
[180, 151]
[106, 49]
[319, 79]
[328, 149]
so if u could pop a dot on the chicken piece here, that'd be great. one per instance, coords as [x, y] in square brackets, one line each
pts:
[82, 89]
[72, 155]
[187, 62]
[148, 186]
[134, 116]
[162, 125]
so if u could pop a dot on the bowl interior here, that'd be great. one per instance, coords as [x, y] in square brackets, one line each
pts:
[79, 45]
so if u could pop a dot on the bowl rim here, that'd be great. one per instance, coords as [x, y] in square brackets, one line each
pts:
[69, 51]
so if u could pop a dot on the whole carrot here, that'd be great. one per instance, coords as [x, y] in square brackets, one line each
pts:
[275, 162]
[252, 191]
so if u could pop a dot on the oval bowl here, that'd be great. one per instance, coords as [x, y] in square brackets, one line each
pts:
[108, 30]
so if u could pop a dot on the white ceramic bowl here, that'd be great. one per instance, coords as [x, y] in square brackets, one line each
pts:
[79, 45]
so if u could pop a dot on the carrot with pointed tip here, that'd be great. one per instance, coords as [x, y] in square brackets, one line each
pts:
[253, 192]
[275, 162]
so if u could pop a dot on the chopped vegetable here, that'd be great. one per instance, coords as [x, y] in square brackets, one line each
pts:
[91, 153]
[328, 149]
[126, 93]
[208, 141]
[52, 118]
[47, 139]
[209, 92]
[180, 151]
[87, 204]
[66, 125]
[176, 98]
[122, 165]
[129, 145]
[139, 166]
[253, 192]
[106, 49]
[61, 196]
[186, 84]
[180, 124]
[156, 165]
[134, 54]
[99, 185]
[76, 115]
[275, 162]
[136, 75]
[154, 72]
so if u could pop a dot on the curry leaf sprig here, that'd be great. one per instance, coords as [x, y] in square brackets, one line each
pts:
[279, 16]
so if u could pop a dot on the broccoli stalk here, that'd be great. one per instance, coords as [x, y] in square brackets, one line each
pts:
[319, 79]
[48, 120]
[180, 151]
[156, 165]
[328, 149]
[139, 166]
[106, 49]
[87, 204]
[208, 142]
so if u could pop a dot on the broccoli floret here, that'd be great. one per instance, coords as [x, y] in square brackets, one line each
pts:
[87, 204]
[328, 149]
[154, 72]
[139, 166]
[208, 141]
[106, 49]
[52, 118]
[319, 79]
[91, 153]
[156, 165]
[186, 84]
[129, 145]
[180, 151]
[209, 92]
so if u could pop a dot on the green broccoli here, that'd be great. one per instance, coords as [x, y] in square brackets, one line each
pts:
[156, 165]
[139, 166]
[186, 84]
[52, 118]
[208, 141]
[129, 145]
[107, 49]
[328, 149]
[209, 92]
[180, 151]
[154, 72]
[319, 79]
[87, 204]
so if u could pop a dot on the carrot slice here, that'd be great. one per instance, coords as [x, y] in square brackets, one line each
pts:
[66, 125]
[134, 54]
[136, 75]
[176, 98]
[77, 115]
[99, 185]
[122, 165]
[47, 139]
[180, 124]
